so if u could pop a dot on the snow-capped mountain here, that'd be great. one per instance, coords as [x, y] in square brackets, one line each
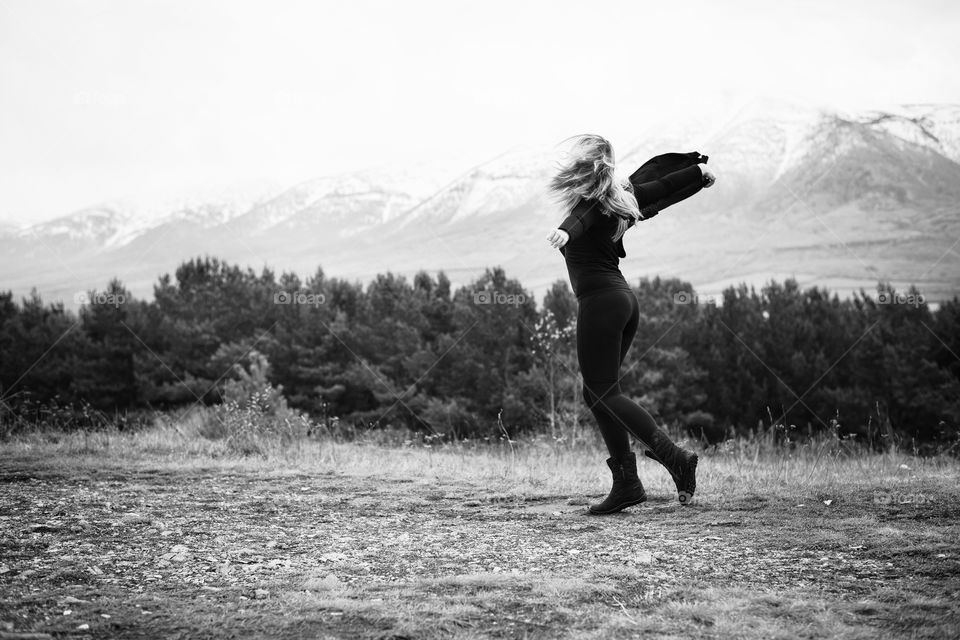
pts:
[934, 126]
[831, 198]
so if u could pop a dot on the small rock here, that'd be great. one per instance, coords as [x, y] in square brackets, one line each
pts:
[179, 548]
[260, 594]
[135, 518]
[329, 581]
[83, 627]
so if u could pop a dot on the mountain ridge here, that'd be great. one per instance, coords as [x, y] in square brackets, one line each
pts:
[850, 197]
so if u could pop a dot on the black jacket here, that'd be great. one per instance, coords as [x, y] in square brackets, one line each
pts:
[659, 167]
[661, 181]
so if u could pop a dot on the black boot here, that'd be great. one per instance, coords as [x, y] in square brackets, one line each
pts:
[627, 489]
[681, 464]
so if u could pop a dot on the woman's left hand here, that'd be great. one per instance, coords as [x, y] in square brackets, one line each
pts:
[558, 238]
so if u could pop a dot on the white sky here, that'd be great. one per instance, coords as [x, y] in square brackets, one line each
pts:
[126, 98]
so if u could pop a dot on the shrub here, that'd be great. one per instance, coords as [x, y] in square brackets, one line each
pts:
[254, 418]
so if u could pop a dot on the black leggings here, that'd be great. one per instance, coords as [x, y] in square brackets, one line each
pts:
[606, 324]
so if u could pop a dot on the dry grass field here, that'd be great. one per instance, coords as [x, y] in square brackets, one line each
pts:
[165, 534]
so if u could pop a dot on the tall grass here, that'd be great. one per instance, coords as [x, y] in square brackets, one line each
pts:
[762, 464]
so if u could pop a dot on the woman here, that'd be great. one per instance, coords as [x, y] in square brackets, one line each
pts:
[602, 207]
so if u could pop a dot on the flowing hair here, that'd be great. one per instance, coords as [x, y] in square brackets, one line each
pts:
[589, 174]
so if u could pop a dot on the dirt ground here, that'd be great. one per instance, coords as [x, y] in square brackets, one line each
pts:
[94, 549]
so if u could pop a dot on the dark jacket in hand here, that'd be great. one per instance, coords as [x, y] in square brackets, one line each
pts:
[660, 166]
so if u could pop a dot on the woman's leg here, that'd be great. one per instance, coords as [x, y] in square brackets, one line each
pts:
[610, 321]
[599, 323]
[606, 325]
[612, 432]
[602, 322]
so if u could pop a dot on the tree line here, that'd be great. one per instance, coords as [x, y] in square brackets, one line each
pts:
[485, 359]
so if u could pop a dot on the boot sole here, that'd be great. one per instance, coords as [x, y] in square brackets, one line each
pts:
[618, 508]
[686, 497]
[683, 495]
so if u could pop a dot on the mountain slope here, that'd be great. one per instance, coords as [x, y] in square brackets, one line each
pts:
[835, 199]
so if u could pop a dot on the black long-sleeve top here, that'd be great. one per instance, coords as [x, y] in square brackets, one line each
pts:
[592, 257]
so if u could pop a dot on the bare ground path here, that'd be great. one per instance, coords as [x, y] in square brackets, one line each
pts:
[99, 549]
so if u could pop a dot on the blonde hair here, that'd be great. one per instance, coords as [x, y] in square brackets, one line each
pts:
[590, 174]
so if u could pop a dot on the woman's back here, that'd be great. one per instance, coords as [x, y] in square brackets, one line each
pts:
[593, 257]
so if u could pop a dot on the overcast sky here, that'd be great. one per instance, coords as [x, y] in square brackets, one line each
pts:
[127, 98]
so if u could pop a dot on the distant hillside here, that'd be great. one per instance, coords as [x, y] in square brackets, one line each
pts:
[839, 200]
